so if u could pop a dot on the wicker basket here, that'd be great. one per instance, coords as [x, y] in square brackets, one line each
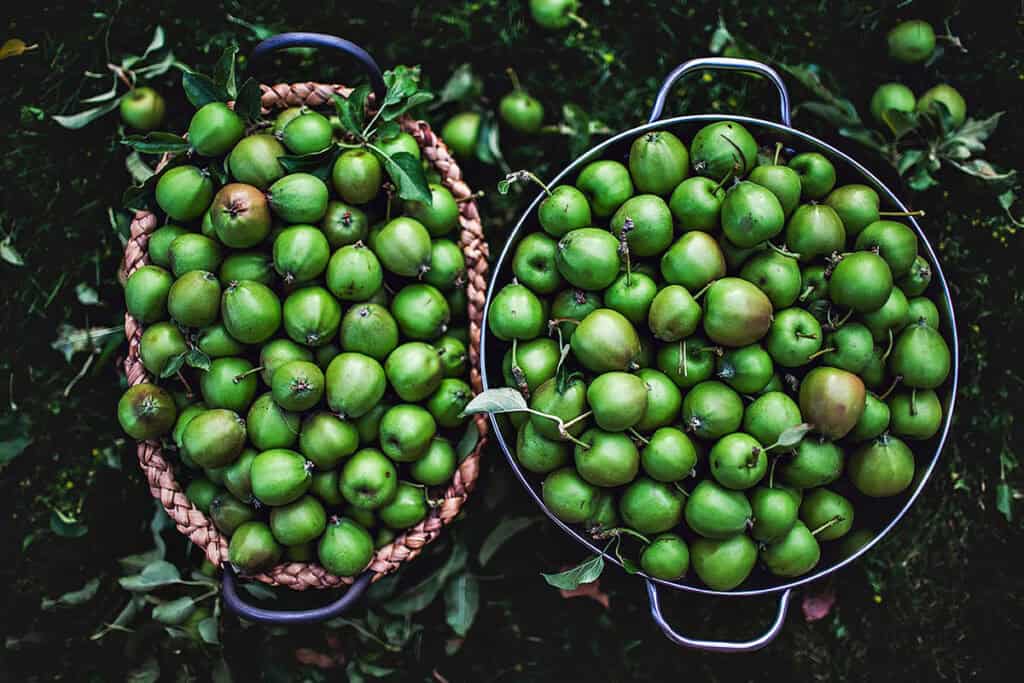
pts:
[159, 471]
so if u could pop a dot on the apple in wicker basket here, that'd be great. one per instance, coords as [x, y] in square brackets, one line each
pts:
[302, 309]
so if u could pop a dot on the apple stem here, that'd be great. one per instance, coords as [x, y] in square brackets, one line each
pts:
[895, 382]
[804, 335]
[578, 19]
[517, 372]
[913, 401]
[771, 473]
[807, 292]
[888, 350]
[830, 523]
[574, 321]
[703, 289]
[639, 437]
[679, 487]
[918, 214]
[512, 76]
[778, 151]
[783, 250]
[188, 387]
[576, 419]
[476, 195]
[822, 352]
[723, 181]
[242, 376]
[682, 358]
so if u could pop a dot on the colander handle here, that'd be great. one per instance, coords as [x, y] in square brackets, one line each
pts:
[323, 40]
[723, 64]
[718, 645]
[245, 610]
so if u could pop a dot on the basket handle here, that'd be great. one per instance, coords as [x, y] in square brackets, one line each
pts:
[284, 617]
[718, 645]
[724, 64]
[323, 40]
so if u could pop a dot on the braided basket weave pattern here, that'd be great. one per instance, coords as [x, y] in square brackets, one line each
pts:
[406, 546]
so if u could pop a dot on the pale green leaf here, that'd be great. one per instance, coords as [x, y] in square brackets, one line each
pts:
[502, 400]
[585, 572]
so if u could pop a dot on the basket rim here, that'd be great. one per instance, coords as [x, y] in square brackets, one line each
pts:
[159, 472]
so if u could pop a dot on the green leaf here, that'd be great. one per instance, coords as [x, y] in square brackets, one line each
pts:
[467, 443]
[488, 147]
[979, 168]
[461, 602]
[908, 160]
[386, 131]
[352, 110]
[156, 143]
[9, 254]
[318, 163]
[407, 174]
[174, 612]
[462, 85]
[900, 122]
[156, 575]
[209, 631]
[140, 197]
[155, 44]
[793, 435]
[865, 136]
[834, 115]
[147, 672]
[577, 122]
[106, 95]
[414, 100]
[73, 598]
[201, 90]
[420, 596]
[249, 103]
[585, 572]
[67, 527]
[1004, 500]
[506, 529]
[921, 180]
[224, 71]
[1006, 199]
[503, 400]
[401, 82]
[973, 134]
[720, 38]
[160, 67]
[125, 617]
[84, 118]
[14, 430]
[139, 170]
[86, 295]
[197, 359]
[374, 670]
[138, 561]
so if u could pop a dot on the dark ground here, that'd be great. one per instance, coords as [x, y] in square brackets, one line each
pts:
[941, 600]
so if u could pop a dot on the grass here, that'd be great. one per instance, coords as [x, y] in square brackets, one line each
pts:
[942, 600]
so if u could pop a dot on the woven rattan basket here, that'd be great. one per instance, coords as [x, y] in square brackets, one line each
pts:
[158, 469]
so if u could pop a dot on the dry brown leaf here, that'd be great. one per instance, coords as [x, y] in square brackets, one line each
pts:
[15, 47]
[816, 607]
[590, 590]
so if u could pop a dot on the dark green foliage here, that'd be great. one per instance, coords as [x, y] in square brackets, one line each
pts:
[941, 599]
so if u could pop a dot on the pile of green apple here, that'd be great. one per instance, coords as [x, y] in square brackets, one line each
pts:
[308, 324]
[718, 353]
